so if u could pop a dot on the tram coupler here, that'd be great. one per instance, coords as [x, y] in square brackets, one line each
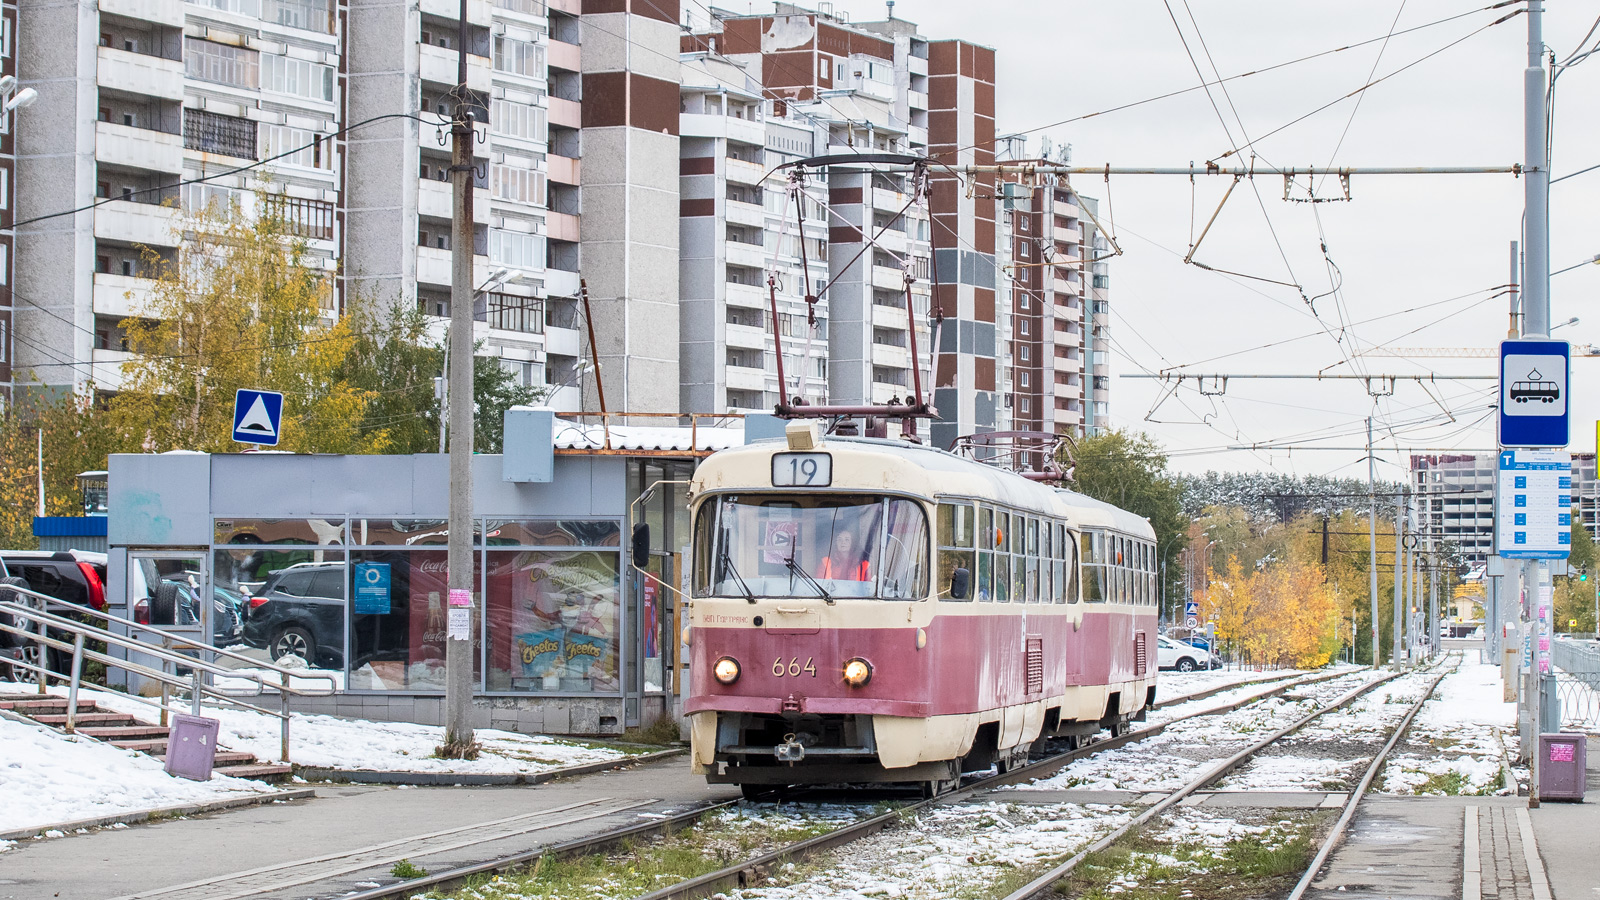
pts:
[790, 752]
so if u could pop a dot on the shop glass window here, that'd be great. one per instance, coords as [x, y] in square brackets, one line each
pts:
[553, 620]
[279, 531]
[287, 599]
[399, 619]
[554, 533]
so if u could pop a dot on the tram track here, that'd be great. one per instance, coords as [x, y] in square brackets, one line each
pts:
[750, 870]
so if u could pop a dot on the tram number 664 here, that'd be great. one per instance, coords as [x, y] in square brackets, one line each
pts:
[793, 669]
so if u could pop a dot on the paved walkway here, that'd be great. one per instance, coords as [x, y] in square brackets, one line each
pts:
[346, 838]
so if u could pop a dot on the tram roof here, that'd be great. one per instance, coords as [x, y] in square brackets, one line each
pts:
[930, 471]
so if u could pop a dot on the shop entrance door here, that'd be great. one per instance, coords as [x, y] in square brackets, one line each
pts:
[171, 590]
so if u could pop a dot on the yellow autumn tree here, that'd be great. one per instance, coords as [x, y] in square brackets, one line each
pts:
[1281, 612]
[241, 305]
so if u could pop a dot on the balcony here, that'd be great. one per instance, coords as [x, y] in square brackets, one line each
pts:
[479, 12]
[746, 296]
[436, 199]
[162, 12]
[141, 224]
[917, 99]
[891, 240]
[889, 201]
[747, 337]
[138, 73]
[138, 148]
[892, 357]
[888, 279]
[561, 341]
[122, 296]
[717, 125]
[744, 378]
[917, 65]
[889, 317]
[752, 256]
[562, 55]
[565, 113]
[741, 172]
[564, 169]
[560, 283]
[106, 366]
[433, 267]
[561, 227]
[439, 67]
[740, 213]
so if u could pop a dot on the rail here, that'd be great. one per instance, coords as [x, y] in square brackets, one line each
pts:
[27, 617]
[1577, 665]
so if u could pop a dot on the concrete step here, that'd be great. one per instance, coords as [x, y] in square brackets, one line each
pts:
[44, 705]
[258, 771]
[143, 745]
[89, 718]
[124, 732]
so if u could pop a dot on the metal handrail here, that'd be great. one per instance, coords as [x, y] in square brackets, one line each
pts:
[36, 623]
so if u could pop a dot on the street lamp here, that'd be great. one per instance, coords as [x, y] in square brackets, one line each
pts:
[1593, 260]
[1571, 321]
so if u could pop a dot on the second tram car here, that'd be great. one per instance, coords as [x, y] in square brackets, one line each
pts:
[872, 611]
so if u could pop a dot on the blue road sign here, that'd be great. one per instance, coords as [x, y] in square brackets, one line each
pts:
[1534, 407]
[257, 417]
[1191, 608]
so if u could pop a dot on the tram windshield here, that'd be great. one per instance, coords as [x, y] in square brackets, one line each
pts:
[808, 545]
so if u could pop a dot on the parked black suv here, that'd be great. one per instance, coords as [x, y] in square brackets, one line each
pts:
[76, 577]
[300, 610]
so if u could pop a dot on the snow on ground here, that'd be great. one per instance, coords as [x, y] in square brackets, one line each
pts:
[47, 777]
[332, 742]
[945, 851]
[1171, 686]
[1178, 755]
[1455, 742]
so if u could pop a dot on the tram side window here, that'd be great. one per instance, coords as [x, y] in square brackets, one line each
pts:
[1032, 593]
[1093, 548]
[904, 573]
[983, 586]
[1069, 546]
[956, 540]
[1002, 556]
[1049, 590]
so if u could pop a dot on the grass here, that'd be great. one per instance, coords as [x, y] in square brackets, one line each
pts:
[1145, 868]
[663, 732]
[640, 866]
[405, 871]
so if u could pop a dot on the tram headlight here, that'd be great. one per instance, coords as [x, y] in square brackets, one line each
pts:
[726, 670]
[857, 672]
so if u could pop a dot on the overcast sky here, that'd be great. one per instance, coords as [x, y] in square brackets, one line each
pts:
[1438, 245]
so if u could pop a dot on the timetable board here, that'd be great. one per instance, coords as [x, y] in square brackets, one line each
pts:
[1534, 517]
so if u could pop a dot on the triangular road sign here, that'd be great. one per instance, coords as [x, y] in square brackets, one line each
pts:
[257, 417]
[257, 420]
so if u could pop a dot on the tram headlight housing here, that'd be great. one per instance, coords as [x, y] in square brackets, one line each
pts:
[857, 672]
[726, 670]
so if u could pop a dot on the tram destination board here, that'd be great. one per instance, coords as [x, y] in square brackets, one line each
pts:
[1534, 516]
[802, 470]
[1535, 409]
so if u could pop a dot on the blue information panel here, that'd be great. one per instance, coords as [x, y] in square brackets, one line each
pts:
[372, 588]
[1534, 381]
[1533, 517]
[257, 417]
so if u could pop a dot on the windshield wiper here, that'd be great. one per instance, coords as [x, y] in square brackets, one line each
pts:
[795, 568]
[727, 564]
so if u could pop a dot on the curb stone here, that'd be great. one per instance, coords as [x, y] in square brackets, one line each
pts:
[438, 779]
[160, 812]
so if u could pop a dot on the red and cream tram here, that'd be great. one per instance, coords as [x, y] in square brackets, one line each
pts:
[873, 611]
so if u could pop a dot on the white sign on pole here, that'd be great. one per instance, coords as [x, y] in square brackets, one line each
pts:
[1533, 519]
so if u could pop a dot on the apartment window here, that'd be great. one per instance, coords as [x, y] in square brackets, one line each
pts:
[250, 8]
[222, 64]
[104, 114]
[312, 15]
[199, 197]
[102, 189]
[1027, 405]
[297, 77]
[516, 57]
[518, 120]
[127, 268]
[1022, 353]
[1022, 224]
[212, 133]
[1022, 378]
[129, 120]
[302, 217]
[1022, 250]
[516, 249]
[308, 148]
[517, 182]
[102, 265]
[1022, 326]
[512, 313]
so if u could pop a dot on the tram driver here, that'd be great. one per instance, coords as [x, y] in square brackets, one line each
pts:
[843, 563]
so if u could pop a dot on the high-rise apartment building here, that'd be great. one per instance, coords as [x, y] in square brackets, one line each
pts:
[613, 146]
[1002, 263]
[1453, 499]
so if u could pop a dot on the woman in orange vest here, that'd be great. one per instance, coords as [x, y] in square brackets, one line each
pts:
[843, 563]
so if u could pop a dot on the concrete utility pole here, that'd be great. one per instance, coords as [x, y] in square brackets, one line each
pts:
[1535, 322]
[458, 740]
[1372, 558]
[1399, 580]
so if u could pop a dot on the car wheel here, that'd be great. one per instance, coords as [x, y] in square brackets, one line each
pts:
[296, 640]
[1185, 665]
[10, 639]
